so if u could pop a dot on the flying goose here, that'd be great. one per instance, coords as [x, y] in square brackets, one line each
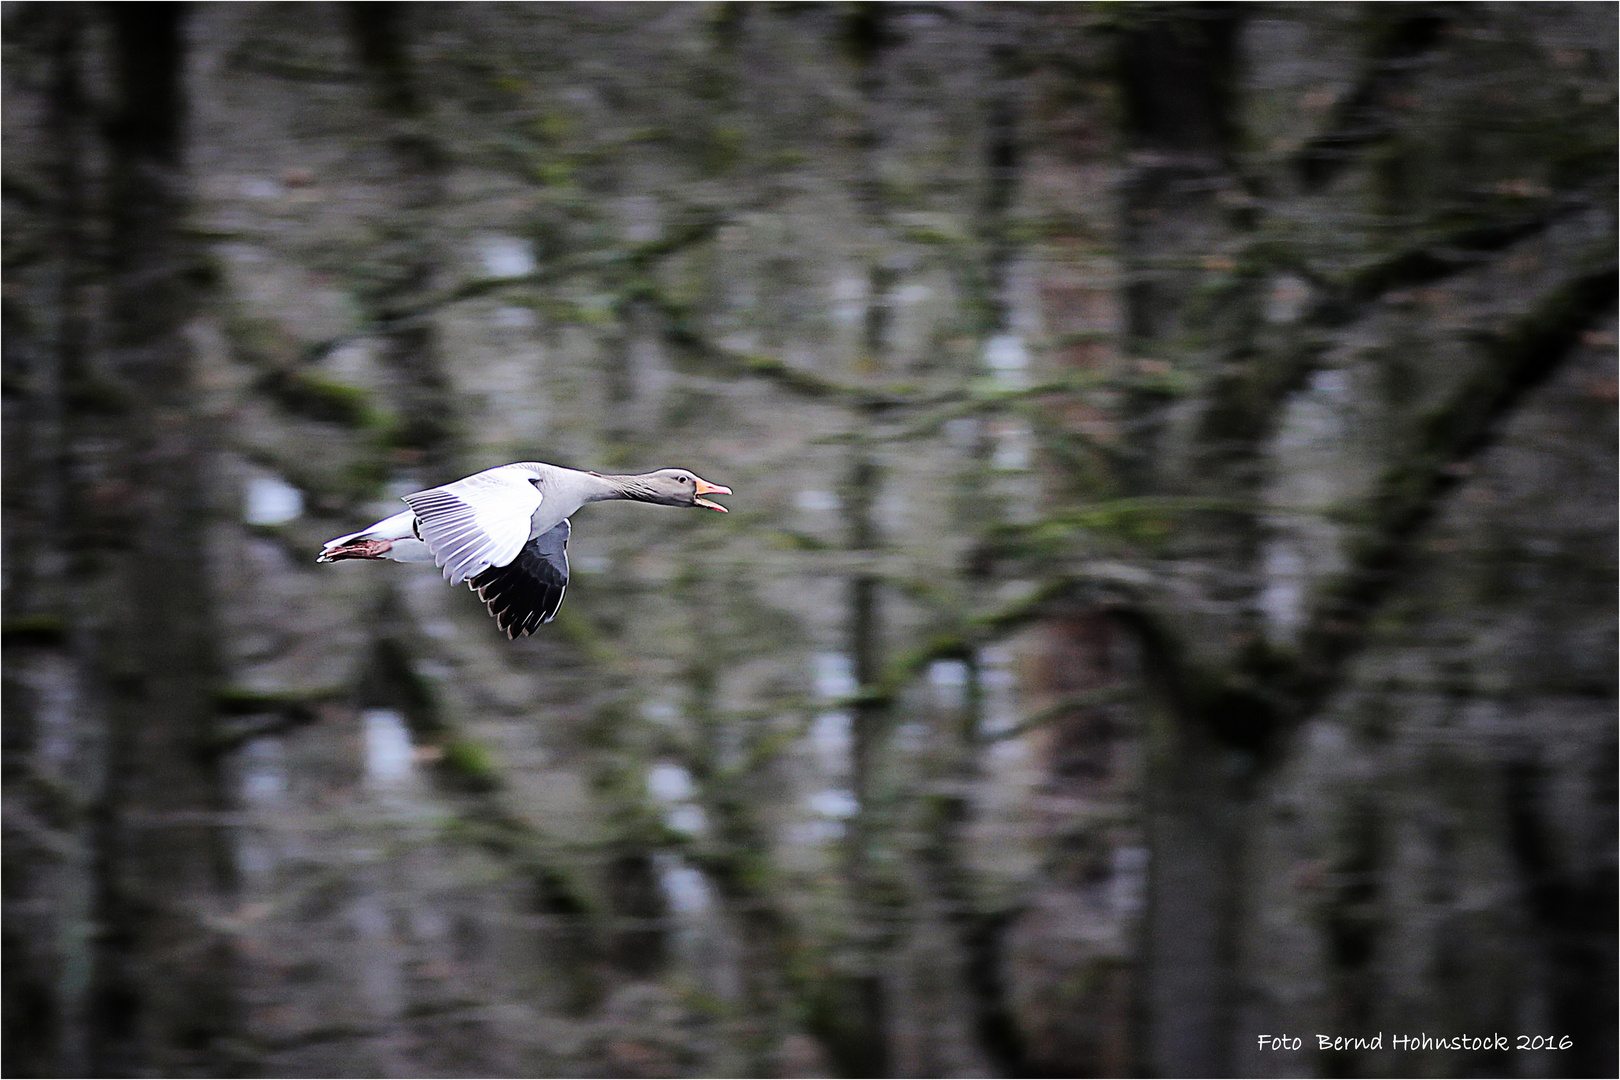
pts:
[504, 531]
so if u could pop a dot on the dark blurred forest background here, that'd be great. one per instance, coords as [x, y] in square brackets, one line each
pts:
[1169, 595]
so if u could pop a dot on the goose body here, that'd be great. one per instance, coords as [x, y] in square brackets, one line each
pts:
[504, 531]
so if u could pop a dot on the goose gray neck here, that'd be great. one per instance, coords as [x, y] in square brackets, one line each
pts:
[636, 488]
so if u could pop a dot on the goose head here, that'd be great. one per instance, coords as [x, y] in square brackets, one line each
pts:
[670, 487]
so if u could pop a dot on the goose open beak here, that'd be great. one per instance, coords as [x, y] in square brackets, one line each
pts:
[706, 488]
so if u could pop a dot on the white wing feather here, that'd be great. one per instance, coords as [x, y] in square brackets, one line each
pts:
[476, 523]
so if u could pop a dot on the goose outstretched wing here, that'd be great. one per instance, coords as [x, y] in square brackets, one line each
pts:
[476, 523]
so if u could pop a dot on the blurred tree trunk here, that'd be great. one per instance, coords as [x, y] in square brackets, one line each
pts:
[980, 936]
[1177, 70]
[46, 847]
[865, 1036]
[410, 259]
[116, 879]
[162, 1001]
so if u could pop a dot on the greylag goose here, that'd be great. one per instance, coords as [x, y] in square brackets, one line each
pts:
[504, 531]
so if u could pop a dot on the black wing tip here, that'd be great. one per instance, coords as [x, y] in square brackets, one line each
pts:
[519, 602]
[525, 594]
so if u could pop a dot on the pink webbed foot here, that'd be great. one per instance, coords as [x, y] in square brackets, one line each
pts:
[359, 549]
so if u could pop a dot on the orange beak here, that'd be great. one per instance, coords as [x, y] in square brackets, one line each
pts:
[706, 488]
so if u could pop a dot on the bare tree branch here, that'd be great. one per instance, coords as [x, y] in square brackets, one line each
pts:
[1514, 362]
